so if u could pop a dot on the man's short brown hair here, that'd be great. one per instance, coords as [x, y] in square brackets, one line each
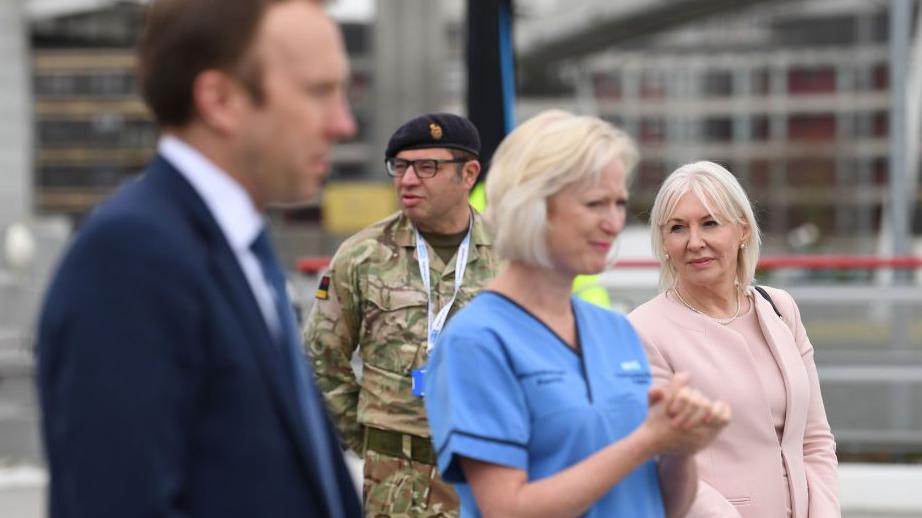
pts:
[183, 38]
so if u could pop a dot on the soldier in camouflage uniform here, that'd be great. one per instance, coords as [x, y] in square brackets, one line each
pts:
[373, 299]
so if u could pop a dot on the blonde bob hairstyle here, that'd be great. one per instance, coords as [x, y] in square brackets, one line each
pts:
[725, 200]
[539, 158]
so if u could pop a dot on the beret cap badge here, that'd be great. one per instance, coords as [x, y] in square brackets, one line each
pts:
[436, 131]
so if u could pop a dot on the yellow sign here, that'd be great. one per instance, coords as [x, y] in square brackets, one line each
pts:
[348, 207]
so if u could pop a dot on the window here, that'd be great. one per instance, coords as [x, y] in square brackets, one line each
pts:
[812, 127]
[717, 129]
[760, 127]
[607, 85]
[652, 130]
[652, 85]
[104, 83]
[815, 172]
[102, 130]
[717, 83]
[811, 80]
[85, 176]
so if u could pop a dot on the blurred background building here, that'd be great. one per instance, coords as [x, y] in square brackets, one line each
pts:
[794, 96]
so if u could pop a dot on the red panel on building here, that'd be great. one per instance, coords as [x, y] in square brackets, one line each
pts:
[811, 80]
[812, 127]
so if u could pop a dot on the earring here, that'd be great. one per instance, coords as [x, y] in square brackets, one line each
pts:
[742, 246]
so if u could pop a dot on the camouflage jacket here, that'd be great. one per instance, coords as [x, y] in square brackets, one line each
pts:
[372, 298]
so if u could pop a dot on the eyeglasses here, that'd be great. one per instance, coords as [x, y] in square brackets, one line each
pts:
[424, 167]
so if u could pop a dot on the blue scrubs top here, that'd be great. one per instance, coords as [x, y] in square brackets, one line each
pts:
[502, 387]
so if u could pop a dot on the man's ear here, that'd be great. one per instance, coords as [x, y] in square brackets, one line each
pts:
[219, 99]
[470, 173]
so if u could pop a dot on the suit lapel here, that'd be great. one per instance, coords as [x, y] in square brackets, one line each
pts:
[233, 283]
[270, 360]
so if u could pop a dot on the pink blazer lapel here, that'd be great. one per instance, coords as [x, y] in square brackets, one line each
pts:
[784, 348]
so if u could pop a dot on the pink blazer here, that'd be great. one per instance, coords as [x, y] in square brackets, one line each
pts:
[741, 472]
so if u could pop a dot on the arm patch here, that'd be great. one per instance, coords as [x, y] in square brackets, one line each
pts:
[323, 289]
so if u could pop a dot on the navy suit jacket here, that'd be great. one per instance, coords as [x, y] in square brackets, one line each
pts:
[162, 393]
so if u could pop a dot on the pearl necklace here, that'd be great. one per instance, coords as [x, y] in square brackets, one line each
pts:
[723, 322]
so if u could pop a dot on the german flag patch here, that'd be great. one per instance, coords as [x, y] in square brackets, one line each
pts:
[323, 289]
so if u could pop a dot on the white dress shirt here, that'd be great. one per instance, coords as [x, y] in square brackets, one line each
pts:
[234, 211]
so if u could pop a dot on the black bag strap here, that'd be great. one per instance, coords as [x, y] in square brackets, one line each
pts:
[766, 296]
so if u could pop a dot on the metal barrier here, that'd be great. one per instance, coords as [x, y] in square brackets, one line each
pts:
[314, 265]
[867, 336]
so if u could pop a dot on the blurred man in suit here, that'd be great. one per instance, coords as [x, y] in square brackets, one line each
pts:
[170, 375]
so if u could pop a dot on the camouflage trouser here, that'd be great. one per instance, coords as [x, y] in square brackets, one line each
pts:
[397, 487]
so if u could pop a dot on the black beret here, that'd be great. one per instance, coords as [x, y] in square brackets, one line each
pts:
[435, 130]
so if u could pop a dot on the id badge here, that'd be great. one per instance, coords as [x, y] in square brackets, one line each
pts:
[419, 382]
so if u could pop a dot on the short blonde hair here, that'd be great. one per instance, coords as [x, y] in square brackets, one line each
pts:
[722, 196]
[535, 161]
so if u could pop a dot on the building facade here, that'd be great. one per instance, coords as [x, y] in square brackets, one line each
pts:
[793, 99]
[92, 129]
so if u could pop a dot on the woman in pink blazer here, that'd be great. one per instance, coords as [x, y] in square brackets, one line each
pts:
[777, 456]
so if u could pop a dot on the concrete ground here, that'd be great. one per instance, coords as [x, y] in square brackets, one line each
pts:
[868, 491]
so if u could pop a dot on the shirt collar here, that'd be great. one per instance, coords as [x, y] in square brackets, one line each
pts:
[405, 232]
[228, 202]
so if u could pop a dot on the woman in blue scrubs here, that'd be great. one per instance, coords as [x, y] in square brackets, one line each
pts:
[541, 404]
